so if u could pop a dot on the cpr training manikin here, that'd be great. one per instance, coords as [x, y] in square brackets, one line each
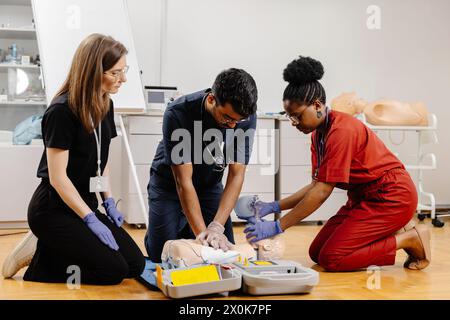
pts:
[188, 252]
[382, 112]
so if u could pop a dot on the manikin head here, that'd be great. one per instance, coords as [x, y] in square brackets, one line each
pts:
[189, 252]
[348, 102]
[268, 249]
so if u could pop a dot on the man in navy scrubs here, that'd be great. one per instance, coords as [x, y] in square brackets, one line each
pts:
[203, 132]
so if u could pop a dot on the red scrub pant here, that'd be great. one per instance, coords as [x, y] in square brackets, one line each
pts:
[361, 232]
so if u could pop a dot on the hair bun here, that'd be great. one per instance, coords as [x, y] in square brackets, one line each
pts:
[303, 70]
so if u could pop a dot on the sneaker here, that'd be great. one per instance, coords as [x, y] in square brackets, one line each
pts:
[21, 256]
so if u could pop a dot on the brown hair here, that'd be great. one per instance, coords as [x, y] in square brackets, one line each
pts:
[95, 54]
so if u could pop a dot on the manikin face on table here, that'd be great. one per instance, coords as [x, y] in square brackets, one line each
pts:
[188, 252]
[348, 102]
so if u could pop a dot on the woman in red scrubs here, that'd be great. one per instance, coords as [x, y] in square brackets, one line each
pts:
[382, 198]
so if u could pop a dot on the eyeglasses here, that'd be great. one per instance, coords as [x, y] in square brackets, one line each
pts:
[225, 119]
[228, 120]
[118, 73]
[295, 119]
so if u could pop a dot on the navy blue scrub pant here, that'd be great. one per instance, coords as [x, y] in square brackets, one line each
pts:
[168, 222]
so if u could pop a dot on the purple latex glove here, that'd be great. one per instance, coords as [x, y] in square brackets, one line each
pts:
[101, 231]
[114, 215]
[265, 208]
[261, 229]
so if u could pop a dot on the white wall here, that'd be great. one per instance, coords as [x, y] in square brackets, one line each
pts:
[407, 59]
[145, 18]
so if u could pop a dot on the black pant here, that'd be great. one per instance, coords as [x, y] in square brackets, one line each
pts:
[168, 222]
[64, 240]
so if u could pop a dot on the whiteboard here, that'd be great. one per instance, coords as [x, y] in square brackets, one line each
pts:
[61, 25]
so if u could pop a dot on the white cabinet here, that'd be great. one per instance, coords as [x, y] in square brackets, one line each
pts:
[295, 170]
[144, 133]
[260, 172]
[18, 182]
[21, 96]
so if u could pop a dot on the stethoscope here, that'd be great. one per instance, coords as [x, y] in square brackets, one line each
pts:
[320, 143]
[219, 161]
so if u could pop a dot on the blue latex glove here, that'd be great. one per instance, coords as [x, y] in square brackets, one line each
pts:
[101, 231]
[114, 215]
[265, 208]
[261, 229]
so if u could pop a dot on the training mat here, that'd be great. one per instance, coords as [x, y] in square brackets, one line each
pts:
[147, 277]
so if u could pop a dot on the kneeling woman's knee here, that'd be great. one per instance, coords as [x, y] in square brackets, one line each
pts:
[113, 273]
[329, 261]
[136, 267]
[314, 253]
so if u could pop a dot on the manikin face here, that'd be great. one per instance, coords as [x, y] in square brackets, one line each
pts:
[304, 117]
[271, 248]
[114, 77]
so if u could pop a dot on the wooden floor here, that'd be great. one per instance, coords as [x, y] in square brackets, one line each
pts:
[395, 281]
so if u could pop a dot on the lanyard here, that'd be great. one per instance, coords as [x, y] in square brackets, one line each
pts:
[320, 143]
[98, 140]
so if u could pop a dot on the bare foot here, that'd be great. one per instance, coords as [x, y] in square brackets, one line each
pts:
[414, 246]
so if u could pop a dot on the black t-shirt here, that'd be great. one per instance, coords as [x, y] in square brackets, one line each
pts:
[62, 129]
[187, 113]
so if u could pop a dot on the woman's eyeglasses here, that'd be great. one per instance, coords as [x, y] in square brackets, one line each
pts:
[118, 73]
[295, 119]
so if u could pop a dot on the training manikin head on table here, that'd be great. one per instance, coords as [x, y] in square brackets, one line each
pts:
[382, 112]
[184, 253]
[189, 252]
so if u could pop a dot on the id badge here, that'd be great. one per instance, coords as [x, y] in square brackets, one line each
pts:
[98, 184]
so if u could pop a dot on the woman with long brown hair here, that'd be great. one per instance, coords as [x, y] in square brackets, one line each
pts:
[77, 127]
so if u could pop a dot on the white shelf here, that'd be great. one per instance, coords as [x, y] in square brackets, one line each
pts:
[432, 126]
[21, 66]
[23, 102]
[18, 33]
[415, 167]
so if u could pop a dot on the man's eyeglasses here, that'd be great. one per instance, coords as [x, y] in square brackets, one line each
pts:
[118, 73]
[225, 119]
[228, 120]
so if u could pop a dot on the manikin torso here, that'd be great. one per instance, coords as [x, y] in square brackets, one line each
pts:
[188, 252]
[383, 112]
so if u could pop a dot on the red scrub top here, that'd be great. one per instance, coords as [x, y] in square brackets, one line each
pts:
[353, 153]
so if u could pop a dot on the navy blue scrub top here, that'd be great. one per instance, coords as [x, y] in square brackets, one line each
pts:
[207, 179]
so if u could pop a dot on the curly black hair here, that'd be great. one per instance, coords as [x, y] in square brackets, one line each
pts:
[303, 75]
[238, 88]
